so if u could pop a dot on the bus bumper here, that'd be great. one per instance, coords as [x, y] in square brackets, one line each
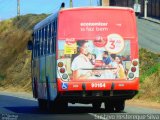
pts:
[90, 90]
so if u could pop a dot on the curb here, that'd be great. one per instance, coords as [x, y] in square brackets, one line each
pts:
[152, 20]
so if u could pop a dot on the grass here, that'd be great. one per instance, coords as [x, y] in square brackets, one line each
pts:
[149, 76]
[149, 63]
[149, 72]
[2, 77]
[14, 35]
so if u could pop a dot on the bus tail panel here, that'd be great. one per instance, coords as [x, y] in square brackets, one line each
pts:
[98, 85]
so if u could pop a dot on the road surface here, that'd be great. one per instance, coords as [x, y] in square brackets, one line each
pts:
[149, 35]
[23, 107]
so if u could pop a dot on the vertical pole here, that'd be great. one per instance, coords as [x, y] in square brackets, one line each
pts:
[18, 8]
[106, 2]
[90, 2]
[145, 8]
[136, 1]
[71, 3]
[100, 2]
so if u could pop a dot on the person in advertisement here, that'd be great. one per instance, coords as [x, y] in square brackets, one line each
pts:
[106, 58]
[121, 71]
[82, 62]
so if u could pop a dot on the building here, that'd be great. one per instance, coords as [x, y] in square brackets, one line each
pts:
[124, 3]
[153, 6]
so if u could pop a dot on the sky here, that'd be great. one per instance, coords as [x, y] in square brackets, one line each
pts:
[8, 8]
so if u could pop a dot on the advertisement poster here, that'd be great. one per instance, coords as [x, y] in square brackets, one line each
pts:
[95, 47]
[95, 59]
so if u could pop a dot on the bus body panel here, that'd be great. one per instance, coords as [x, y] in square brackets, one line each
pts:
[86, 25]
[99, 85]
[35, 76]
[42, 69]
[51, 75]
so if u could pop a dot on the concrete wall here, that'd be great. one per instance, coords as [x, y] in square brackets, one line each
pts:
[153, 5]
[105, 2]
[153, 9]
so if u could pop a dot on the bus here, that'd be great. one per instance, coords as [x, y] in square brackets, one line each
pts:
[85, 55]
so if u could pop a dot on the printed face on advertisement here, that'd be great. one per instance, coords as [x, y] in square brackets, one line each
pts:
[84, 48]
[117, 59]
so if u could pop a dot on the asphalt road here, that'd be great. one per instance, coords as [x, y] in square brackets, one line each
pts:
[149, 35]
[23, 107]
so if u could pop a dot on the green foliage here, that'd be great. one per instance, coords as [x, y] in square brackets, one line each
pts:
[2, 77]
[14, 35]
[26, 22]
[149, 72]
[149, 63]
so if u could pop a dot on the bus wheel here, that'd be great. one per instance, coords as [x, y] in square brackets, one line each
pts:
[119, 105]
[109, 107]
[42, 104]
[63, 105]
[59, 106]
[96, 105]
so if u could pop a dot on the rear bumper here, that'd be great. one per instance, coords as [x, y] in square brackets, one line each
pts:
[92, 96]
[86, 92]
[116, 85]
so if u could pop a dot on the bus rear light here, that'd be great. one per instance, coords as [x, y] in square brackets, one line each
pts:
[133, 69]
[62, 70]
[135, 63]
[64, 76]
[131, 75]
[60, 64]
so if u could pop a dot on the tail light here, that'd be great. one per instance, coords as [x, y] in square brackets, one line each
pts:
[60, 64]
[62, 72]
[64, 76]
[135, 63]
[131, 75]
[134, 70]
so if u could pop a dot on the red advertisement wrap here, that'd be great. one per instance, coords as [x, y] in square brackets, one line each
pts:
[91, 23]
[97, 47]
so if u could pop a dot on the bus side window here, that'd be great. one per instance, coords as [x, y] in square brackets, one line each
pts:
[45, 40]
[34, 41]
[49, 37]
[36, 51]
[55, 37]
[35, 47]
[38, 43]
[52, 38]
[39, 49]
[42, 39]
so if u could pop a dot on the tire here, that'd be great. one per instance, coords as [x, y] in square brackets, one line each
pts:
[96, 105]
[109, 106]
[58, 106]
[42, 104]
[119, 106]
[34, 87]
[115, 105]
